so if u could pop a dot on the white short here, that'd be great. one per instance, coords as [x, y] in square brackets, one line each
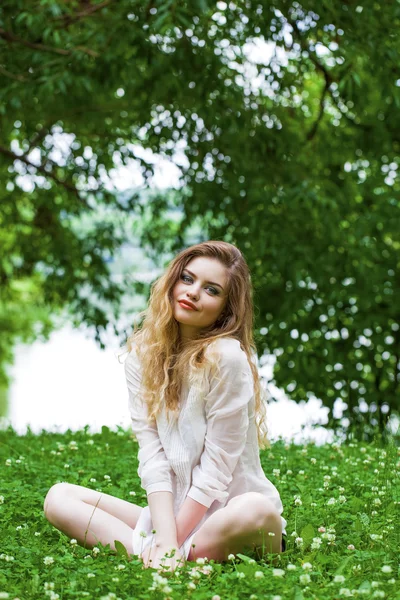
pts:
[144, 524]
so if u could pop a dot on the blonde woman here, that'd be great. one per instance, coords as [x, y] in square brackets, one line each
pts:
[199, 417]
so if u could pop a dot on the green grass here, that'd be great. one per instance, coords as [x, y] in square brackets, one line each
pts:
[350, 546]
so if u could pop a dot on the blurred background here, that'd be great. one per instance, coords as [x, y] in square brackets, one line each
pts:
[130, 130]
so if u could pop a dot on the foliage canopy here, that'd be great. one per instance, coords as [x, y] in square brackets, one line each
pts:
[283, 118]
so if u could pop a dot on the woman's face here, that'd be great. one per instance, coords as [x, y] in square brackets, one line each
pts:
[204, 284]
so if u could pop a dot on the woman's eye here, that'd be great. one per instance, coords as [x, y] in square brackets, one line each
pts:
[213, 290]
[186, 278]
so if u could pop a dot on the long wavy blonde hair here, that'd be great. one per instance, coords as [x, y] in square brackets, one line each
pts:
[166, 361]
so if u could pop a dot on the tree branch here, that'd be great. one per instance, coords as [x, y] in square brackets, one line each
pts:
[14, 39]
[69, 19]
[322, 69]
[6, 73]
[314, 128]
[42, 169]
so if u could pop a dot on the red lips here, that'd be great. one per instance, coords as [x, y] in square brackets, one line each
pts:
[187, 304]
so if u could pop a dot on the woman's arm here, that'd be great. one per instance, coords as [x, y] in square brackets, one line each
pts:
[189, 515]
[161, 506]
[154, 468]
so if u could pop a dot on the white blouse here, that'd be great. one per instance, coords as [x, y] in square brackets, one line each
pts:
[210, 452]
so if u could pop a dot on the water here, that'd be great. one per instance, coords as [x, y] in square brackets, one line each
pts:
[69, 382]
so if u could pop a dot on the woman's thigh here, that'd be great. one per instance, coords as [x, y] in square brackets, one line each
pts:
[121, 509]
[244, 523]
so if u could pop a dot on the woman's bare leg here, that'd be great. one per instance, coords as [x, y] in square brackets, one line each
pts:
[91, 517]
[245, 522]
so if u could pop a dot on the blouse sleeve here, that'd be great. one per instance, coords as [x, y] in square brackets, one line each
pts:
[154, 469]
[227, 418]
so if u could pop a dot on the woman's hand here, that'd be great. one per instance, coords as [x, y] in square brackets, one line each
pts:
[154, 556]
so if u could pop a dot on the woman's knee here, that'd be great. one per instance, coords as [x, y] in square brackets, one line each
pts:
[253, 511]
[54, 498]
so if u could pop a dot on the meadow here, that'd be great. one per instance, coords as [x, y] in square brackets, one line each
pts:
[341, 503]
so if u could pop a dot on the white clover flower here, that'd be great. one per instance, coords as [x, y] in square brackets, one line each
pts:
[313, 460]
[132, 493]
[240, 575]
[258, 574]
[107, 477]
[378, 594]
[278, 572]
[289, 472]
[90, 442]
[48, 560]
[307, 566]
[301, 472]
[90, 575]
[73, 542]
[331, 501]
[53, 596]
[386, 569]
[294, 534]
[93, 480]
[194, 573]
[305, 578]
[271, 534]
[375, 584]
[374, 513]
[392, 581]
[339, 579]
[350, 547]
[48, 585]
[96, 550]
[18, 527]
[291, 567]
[342, 499]
[37, 533]
[231, 557]
[167, 589]
[276, 472]
[121, 567]
[374, 537]
[345, 592]
[200, 561]
[1, 499]
[298, 502]
[299, 541]
[8, 462]
[191, 586]
[276, 598]
[316, 543]
[321, 529]
[216, 597]
[115, 579]
[207, 569]
[4, 595]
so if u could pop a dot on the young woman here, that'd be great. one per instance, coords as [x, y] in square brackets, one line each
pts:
[199, 418]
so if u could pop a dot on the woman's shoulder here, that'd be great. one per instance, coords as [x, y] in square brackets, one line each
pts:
[228, 351]
[131, 357]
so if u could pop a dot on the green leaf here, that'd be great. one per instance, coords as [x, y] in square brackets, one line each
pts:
[343, 565]
[307, 533]
[120, 548]
[244, 557]
[298, 593]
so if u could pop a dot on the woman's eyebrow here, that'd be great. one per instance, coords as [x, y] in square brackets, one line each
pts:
[212, 282]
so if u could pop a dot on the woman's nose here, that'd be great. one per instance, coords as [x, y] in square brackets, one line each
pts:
[193, 293]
